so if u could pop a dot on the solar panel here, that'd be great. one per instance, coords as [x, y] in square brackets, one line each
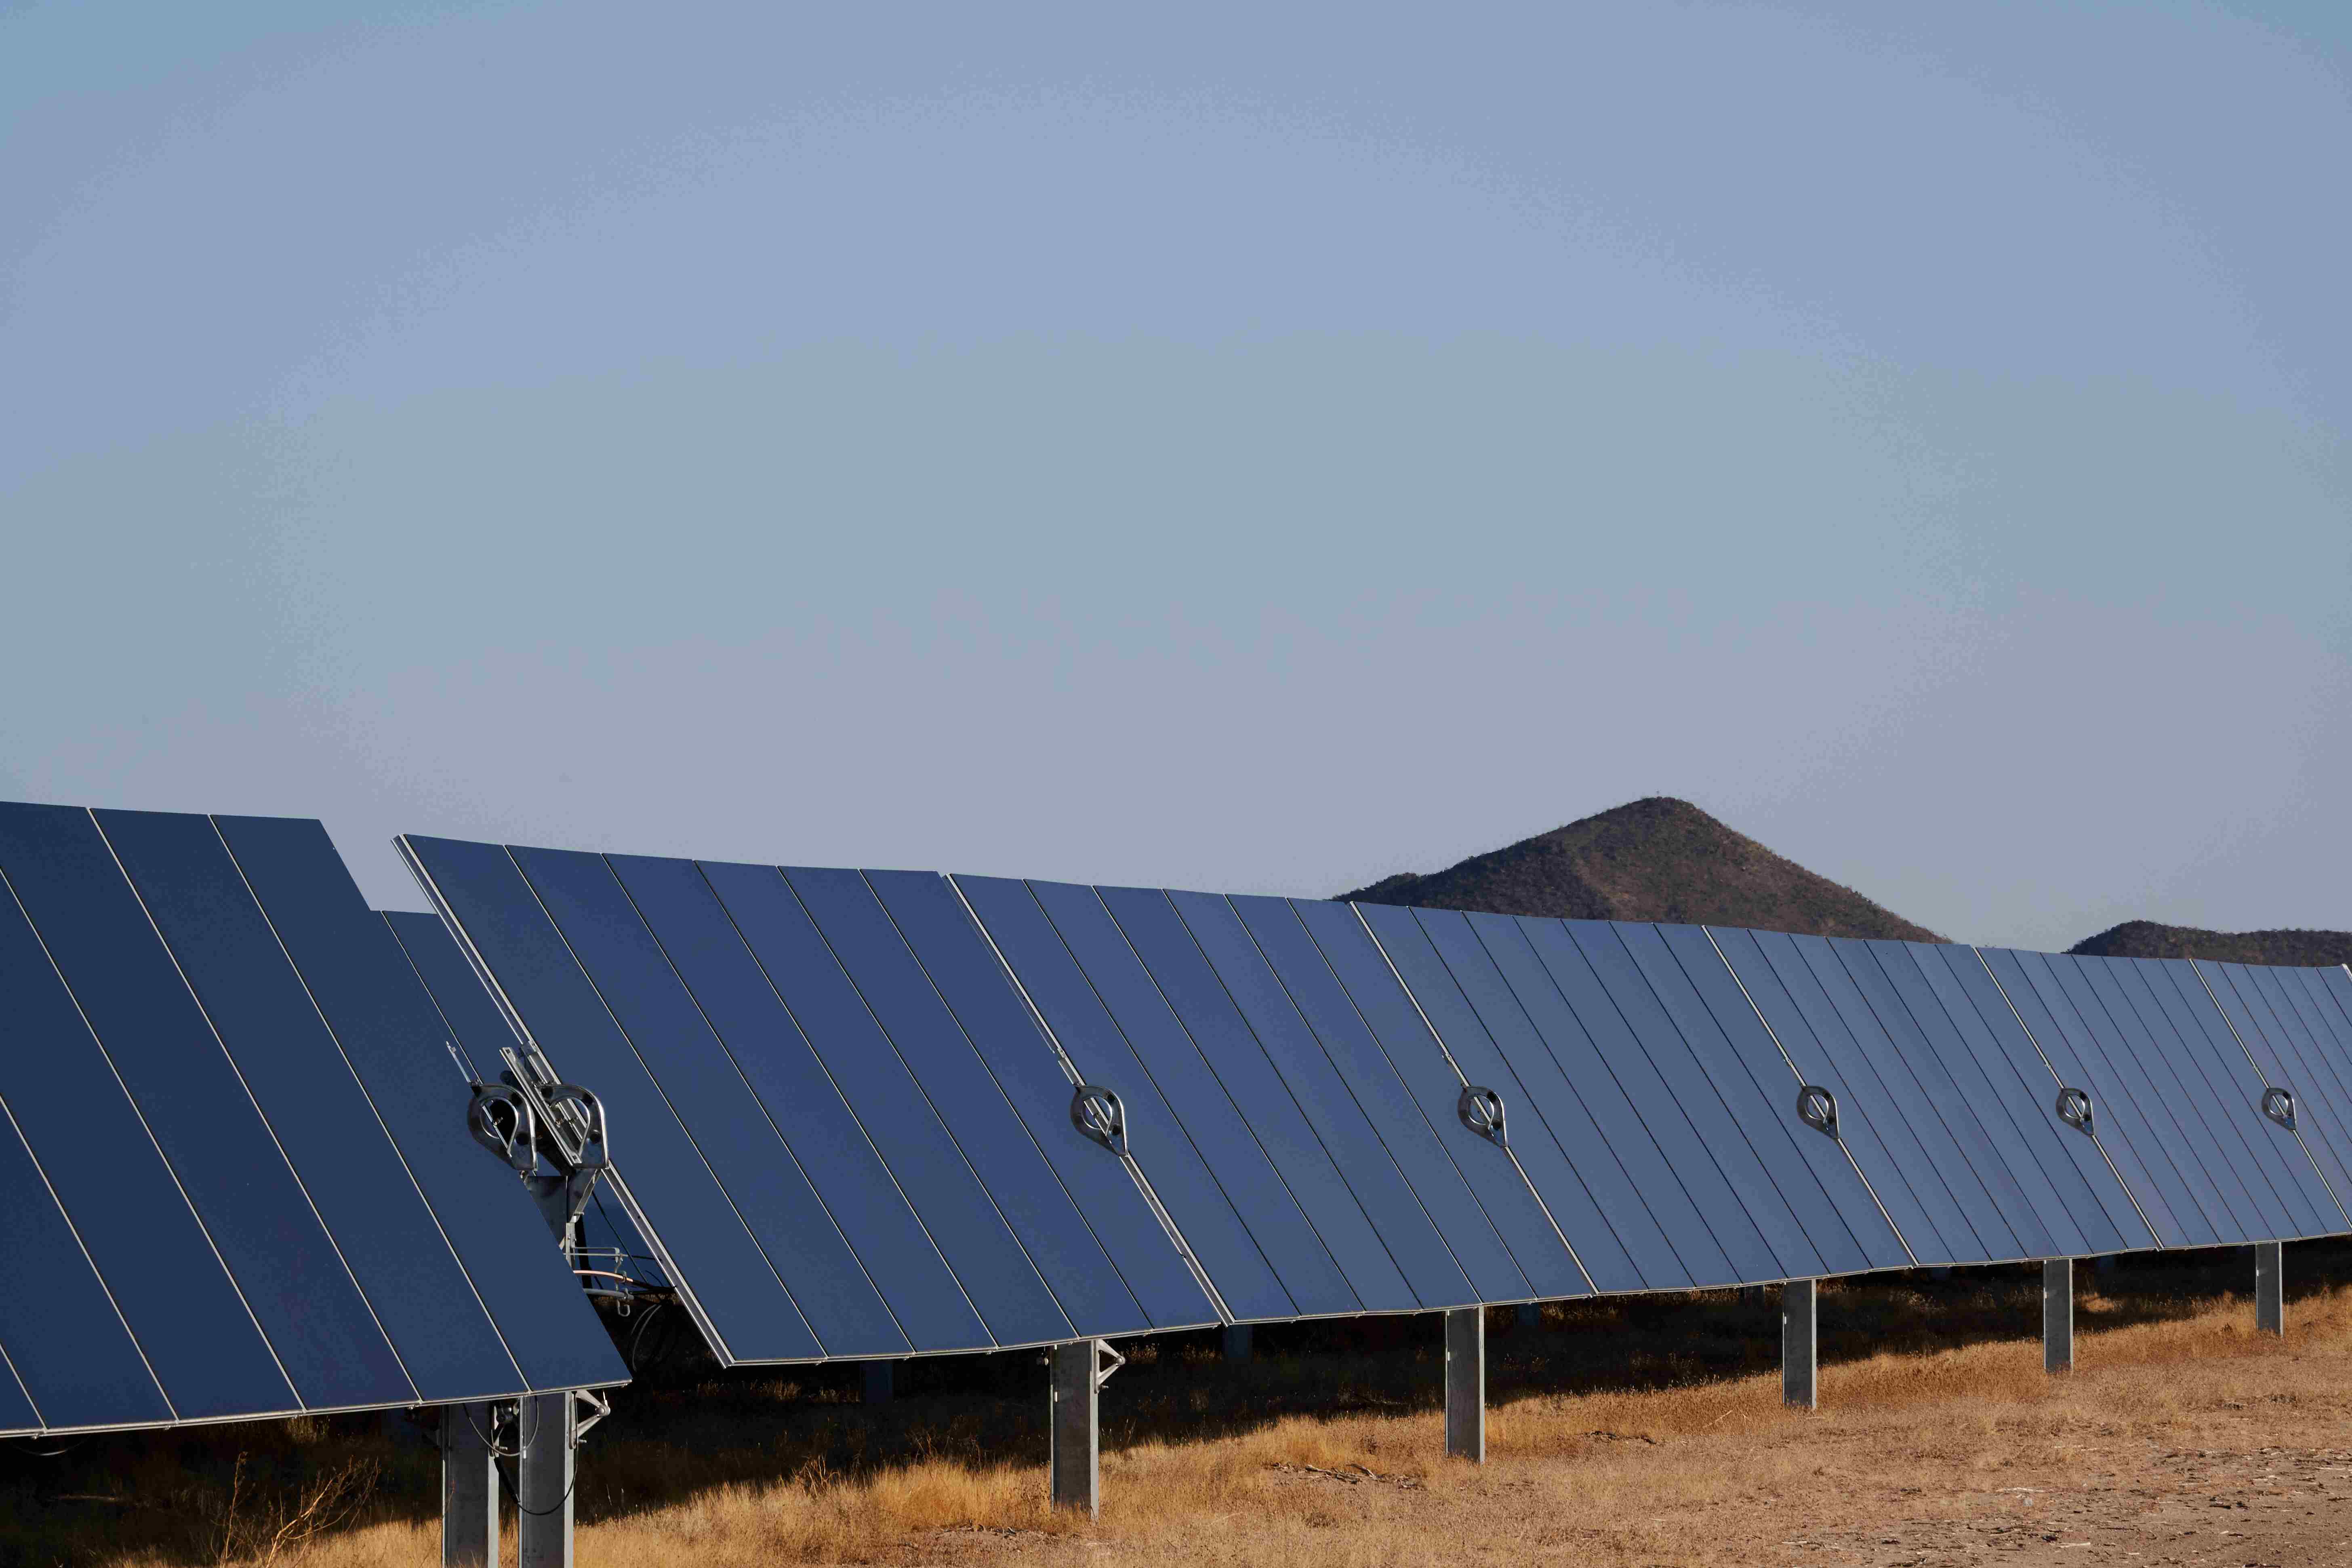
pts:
[958, 1113]
[1755, 1077]
[2103, 1209]
[225, 1221]
[1211, 1020]
[2119, 1112]
[2237, 1085]
[1221, 1193]
[1618, 1245]
[1879, 1131]
[2311, 1063]
[1418, 1062]
[2265, 1047]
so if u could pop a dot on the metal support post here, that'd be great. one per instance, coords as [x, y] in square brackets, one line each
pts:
[1797, 1302]
[548, 1431]
[1238, 1346]
[1075, 1427]
[1465, 1384]
[1530, 1316]
[878, 1380]
[2270, 1289]
[469, 1488]
[2057, 1315]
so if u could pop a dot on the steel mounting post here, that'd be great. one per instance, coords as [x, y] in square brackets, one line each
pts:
[1799, 1303]
[1465, 1384]
[549, 1431]
[2057, 1315]
[469, 1486]
[1074, 1429]
[2270, 1287]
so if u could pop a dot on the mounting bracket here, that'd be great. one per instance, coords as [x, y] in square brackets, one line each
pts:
[1100, 1114]
[1481, 1110]
[1817, 1109]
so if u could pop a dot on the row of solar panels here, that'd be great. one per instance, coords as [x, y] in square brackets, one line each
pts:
[234, 1175]
[884, 1113]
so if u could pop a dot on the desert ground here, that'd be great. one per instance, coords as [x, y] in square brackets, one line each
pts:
[1630, 1432]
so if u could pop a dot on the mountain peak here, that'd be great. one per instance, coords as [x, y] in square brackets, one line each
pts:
[2147, 939]
[1657, 859]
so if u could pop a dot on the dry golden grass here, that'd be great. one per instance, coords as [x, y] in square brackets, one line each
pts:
[1706, 1470]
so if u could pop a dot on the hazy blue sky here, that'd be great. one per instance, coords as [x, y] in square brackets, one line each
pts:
[1242, 448]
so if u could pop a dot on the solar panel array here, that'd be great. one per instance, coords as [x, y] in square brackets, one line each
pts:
[235, 1175]
[878, 1113]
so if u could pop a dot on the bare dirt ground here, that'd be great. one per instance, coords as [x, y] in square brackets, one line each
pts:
[1625, 1432]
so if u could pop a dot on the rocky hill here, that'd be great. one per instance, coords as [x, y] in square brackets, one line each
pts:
[1653, 859]
[2146, 939]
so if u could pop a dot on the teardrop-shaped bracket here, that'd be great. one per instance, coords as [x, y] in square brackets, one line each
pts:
[501, 1120]
[2073, 1106]
[1098, 1113]
[1817, 1109]
[2278, 1104]
[1481, 1110]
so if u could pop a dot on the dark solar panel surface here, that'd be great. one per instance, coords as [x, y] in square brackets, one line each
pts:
[1292, 1072]
[216, 1160]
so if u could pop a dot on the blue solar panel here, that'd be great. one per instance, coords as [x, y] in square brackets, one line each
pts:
[2130, 1125]
[2132, 1058]
[1660, 1035]
[1227, 1200]
[2290, 1038]
[292, 1066]
[1021, 1063]
[1871, 1122]
[1183, 975]
[67, 1348]
[2273, 1151]
[1758, 1082]
[671, 1036]
[996, 1273]
[1354, 1050]
[708, 1250]
[792, 1091]
[1603, 1056]
[1537, 1148]
[1997, 1031]
[1287, 1037]
[161, 1044]
[223, 1219]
